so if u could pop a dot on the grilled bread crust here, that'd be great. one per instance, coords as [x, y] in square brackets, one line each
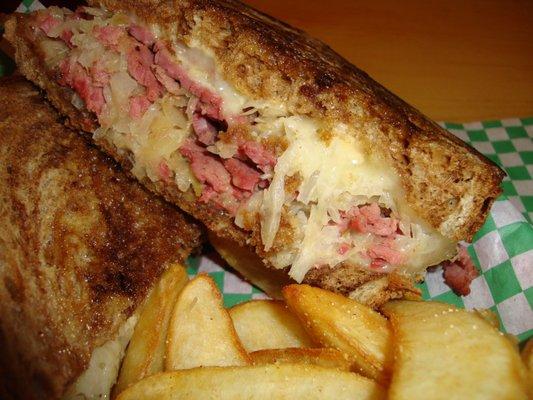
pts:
[80, 246]
[267, 59]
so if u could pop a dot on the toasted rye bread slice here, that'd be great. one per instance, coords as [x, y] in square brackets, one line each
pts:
[80, 246]
[369, 288]
[264, 58]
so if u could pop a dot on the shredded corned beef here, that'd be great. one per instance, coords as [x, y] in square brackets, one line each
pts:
[108, 35]
[99, 74]
[140, 60]
[143, 35]
[138, 106]
[384, 252]
[369, 219]
[75, 76]
[48, 22]
[225, 182]
[242, 176]
[205, 131]
[459, 273]
[344, 248]
[164, 172]
[211, 103]
[260, 156]
[206, 167]
[168, 83]
[66, 37]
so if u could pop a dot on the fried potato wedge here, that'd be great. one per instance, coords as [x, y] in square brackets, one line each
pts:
[442, 352]
[201, 332]
[288, 381]
[489, 316]
[323, 357]
[145, 352]
[332, 320]
[527, 357]
[268, 324]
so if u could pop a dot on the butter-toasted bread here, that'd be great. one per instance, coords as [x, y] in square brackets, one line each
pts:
[80, 246]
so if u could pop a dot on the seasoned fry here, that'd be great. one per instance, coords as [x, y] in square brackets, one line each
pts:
[324, 357]
[265, 382]
[442, 352]
[360, 333]
[489, 316]
[268, 324]
[527, 357]
[145, 353]
[201, 332]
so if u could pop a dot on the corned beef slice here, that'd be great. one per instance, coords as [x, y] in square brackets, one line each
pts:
[460, 273]
[140, 60]
[242, 176]
[143, 35]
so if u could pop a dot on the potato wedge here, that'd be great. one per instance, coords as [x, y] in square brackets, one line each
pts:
[289, 381]
[527, 357]
[323, 357]
[360, 333]
[442, 352]
[244, 260]
[201, 332]
[489, 316]
[145, 353]
[268, 324]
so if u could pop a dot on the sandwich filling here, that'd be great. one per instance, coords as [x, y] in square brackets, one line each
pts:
[311, 191]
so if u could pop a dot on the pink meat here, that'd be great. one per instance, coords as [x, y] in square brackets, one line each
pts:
[75, 76]
[164, 171]
[138, 106]
[48, 22]
[99, 74]
[163, 58]
[242, 176]
[343, 248]
[383, 252]
[211, 102]
[368, 219]
[66, 36]
[208, 194]
[139, 59]
[143, 35]
[168, 83]
[206, 132]
[108, 35]
[258, 154]
[206, 168]
[460, 273]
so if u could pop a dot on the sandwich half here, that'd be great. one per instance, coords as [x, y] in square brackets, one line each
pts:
[81, 244]
[282, 148]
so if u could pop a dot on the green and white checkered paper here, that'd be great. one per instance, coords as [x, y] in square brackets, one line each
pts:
[502, 250]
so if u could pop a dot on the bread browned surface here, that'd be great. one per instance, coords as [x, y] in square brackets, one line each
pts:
[265, 58]
[80, 246]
